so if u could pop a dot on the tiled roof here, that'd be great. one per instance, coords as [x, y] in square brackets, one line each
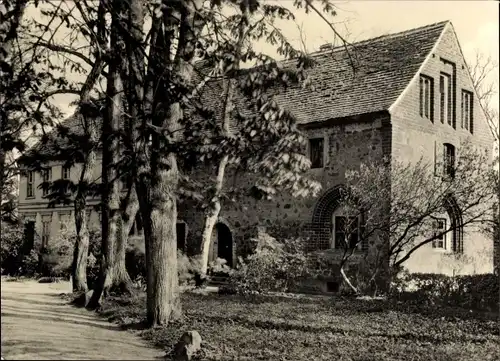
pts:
[383, 67]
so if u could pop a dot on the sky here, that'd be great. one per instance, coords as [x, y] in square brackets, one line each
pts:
[475, 22]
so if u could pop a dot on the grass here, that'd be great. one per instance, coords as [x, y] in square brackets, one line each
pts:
[318, 328]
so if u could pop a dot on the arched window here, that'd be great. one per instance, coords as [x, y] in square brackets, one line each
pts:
[334, 225]
[451, 220]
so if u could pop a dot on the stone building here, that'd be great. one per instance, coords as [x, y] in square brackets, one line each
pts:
[411, 96]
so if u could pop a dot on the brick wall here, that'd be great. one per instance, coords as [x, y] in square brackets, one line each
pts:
[415, 136]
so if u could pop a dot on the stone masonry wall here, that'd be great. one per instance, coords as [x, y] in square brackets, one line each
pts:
[347, 144]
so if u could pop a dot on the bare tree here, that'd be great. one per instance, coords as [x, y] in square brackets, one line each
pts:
[481, 69]
[417, 197]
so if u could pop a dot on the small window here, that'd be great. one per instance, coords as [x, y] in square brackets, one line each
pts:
[439, 231]
[316, 152]
[29, 184]
[346, 232]
[46, 177]
[427, 97]
[467, 118]
[449, 161]
[445, 93]
[66, 172]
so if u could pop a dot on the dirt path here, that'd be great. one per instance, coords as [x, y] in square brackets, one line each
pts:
[38, 325]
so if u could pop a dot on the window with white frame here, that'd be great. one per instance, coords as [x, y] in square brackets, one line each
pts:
[46, 177]
[64, 219]
[427, 97]
[316, 152]
[45, 232]
[346, 232]
[30, 184]
[467, 119]
[439, 233]
[445, 96]
[66, 172]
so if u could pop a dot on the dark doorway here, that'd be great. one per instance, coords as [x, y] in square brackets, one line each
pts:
[224, 243]
[181, 236]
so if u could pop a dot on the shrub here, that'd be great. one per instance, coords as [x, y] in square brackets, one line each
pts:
[16, 257]
[187, 267]
[478, 292]
[275, 266]
[93, 260]
[219, 267]
[57, 257]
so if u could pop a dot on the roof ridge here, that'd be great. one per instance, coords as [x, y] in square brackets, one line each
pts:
[327, 47]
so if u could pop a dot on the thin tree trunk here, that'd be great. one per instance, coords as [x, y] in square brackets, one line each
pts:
[80, 253]
[213, 211]
[89, 124]
[346, 280]
[110, 136]
[122, 281]
[211, 216]
[11, 14]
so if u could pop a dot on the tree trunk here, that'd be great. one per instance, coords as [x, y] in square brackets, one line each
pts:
[80, 253]
[346, 280]
[110, 158]
[212, 213]
[163, 303]
[11, 14]
[122, 281]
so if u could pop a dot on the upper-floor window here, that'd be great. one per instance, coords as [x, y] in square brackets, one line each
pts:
[427, 97]
[449, 160]
[445, 98]
[66, 172]
[30, 184]
[316, 152]
[46, 177]
[467, 118]
[439, 233]
[64, 220]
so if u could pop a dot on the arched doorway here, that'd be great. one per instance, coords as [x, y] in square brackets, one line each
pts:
[223, 243]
